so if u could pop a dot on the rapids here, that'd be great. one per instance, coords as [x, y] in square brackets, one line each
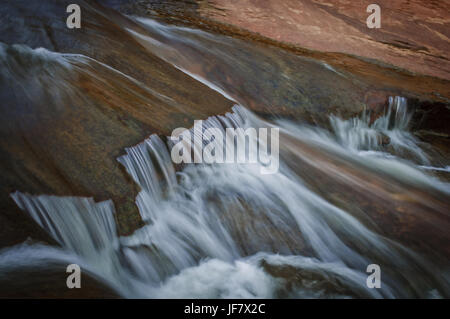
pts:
[226, 231]
[349, 192]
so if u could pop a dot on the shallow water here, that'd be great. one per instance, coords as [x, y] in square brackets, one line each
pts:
[354, 192]
[228, 231]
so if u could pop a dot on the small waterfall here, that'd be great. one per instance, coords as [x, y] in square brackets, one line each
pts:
[387, 134]
[85, 233]
[86, 230]
[145, 161]
[228, 231]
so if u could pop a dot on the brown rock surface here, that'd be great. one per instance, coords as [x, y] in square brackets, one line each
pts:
[414, 35]
[67, 141]
[209, 16]
[50, 283]
[62, 127]
[393, 209]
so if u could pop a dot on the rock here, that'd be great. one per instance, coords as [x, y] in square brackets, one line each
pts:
[220, 17]
[64, 124]
[383, 139]
[51, 283]
[413, 34]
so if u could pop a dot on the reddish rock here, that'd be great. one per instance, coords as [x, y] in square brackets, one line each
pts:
[377, 101]
[414, 34]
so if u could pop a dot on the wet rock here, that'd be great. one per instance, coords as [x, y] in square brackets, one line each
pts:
[377, 103]
[383, 139]
[51, 283]
[431, 116]
[336, 26]
[65, 120]
[368, 75]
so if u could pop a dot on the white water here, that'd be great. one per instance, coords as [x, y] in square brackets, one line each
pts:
[358, 134]
[226, 231]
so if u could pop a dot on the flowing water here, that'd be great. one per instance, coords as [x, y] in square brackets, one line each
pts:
[344, 197]
[226, 230]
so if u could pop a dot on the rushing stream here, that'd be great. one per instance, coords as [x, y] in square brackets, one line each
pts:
[227, 231]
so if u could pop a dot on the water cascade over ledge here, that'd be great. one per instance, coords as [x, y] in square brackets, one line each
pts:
[228, 231]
